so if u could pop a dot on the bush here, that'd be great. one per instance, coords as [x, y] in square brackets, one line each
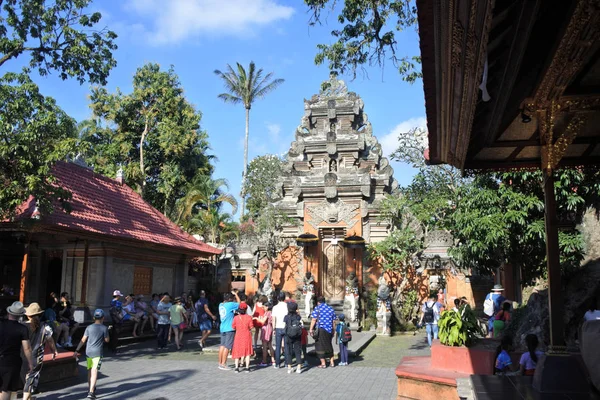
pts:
[458, 329]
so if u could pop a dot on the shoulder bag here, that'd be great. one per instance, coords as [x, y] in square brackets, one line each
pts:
[315, 333]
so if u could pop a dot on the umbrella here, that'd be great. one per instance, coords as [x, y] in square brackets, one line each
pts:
[354, 242]
[307, 240]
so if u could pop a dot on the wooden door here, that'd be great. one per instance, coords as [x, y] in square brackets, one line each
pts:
[332, 276]
[142, 280]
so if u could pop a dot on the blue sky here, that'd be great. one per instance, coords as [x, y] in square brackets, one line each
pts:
[199, 36]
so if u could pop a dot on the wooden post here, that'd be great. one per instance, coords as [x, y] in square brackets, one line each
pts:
[24, 273]
[84, 274]
[555, 299]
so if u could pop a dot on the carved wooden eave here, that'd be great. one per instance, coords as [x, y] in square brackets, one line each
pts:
[543, 66]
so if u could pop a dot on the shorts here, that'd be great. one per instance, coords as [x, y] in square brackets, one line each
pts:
[227, 339]
[94, 363]
[10, 374]
[175, 326]
[206, 325]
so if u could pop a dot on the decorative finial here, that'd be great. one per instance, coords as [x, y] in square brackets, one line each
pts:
[333, 88]
[120, 175]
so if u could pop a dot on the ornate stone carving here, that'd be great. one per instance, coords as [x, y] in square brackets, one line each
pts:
[333, 88]
[332, 212]
[458, 33]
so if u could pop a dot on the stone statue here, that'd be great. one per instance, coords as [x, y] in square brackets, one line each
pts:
[384, 307]
[352, 294]
[308, 290]
[333, 166]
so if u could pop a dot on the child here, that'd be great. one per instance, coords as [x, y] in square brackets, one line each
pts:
[529, 360]
[501, 319]
[339, 334]
[504, 365]
[178, 321]
[94, 337]
[304, 343]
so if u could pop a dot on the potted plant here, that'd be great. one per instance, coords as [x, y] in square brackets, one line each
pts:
[459, 328]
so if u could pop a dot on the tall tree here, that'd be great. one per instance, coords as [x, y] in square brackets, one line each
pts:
[59, 36]
[46, 36]
[152, 133]
[368, 35]
[34, 134]
[245, 87]
[260, 185]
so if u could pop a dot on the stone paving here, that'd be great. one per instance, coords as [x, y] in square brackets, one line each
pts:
[142, 372]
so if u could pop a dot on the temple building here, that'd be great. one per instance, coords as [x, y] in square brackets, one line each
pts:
[333, 183]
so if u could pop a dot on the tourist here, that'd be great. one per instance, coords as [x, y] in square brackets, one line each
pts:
[226, 314]
[430, 315]
[501, 319]
[94, 337]
[441, 298]
[266, 334]
[65, 316]
[13, 337]
[279, 312]
[592, 314]
[530, 358]
[129, 314]
[289, 298]
[321, 329]
[116, 307]
[339, 335]
[40, 334]
[503, 364]
[293, 337]
[242, 343]
[492, 305]
[178, 321]
[153, 308]
[143, 313]
[457, 304]
[191, 310]
[58, 330]
[204, 322]
[304, 343]
[257, 320]
[163, 321]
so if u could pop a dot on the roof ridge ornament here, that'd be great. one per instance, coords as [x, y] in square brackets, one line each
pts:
[333, 88]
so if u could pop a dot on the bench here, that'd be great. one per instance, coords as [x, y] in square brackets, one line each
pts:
[64, 366]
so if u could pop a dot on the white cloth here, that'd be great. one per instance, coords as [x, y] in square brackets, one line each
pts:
[527, 362]
[592, 315]
[279, 313]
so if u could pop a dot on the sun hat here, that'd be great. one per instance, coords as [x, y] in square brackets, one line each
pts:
[33, 309]
[98, 314]
[498, 288]
[243, 306]
[117, 293]
[16, 309]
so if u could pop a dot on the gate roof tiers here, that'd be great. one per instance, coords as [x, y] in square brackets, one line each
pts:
[539, 61]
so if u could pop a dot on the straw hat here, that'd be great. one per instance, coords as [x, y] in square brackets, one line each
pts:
[33, 309]
[16, 309]
[498, 288]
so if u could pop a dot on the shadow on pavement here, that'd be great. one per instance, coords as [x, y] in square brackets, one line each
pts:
[125, 390]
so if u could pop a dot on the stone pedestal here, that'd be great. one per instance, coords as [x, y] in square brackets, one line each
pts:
[351, 305]
[384, 319]
[308, 304]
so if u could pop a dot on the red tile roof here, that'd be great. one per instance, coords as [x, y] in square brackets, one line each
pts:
[103, 206]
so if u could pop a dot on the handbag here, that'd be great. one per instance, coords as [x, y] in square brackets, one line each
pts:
[315, 333]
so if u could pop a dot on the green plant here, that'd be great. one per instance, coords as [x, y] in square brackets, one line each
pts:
[371, 319]
[411, 300]
[458, 328]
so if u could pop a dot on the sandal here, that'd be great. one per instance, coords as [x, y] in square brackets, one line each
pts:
[322, 366]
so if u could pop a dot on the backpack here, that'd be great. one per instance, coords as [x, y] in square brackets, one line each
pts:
[293, 328]
[488, 306]
[429, 316]
[346, 334]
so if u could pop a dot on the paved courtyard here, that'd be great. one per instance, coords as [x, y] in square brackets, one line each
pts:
[141, 372]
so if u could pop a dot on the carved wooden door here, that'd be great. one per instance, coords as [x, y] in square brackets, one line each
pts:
[332, 277]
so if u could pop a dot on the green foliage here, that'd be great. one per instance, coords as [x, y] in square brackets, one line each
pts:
[152, 133]
[458, 328]
[368, 35]
[371, 319]
[34, 134]
[59, 36]
[260, 185]
[409, 304]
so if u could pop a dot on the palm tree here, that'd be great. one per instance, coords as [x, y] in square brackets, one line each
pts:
[246, 87]
[202, 194]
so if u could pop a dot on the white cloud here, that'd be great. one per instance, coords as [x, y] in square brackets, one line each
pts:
[389, 142]
[173, 21]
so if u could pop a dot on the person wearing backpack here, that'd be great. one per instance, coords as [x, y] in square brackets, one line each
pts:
[293, 337]
[492, 305]
[343, 335]
[430, 316]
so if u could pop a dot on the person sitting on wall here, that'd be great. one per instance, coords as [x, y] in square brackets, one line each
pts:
[65, 316]
[129, 313]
